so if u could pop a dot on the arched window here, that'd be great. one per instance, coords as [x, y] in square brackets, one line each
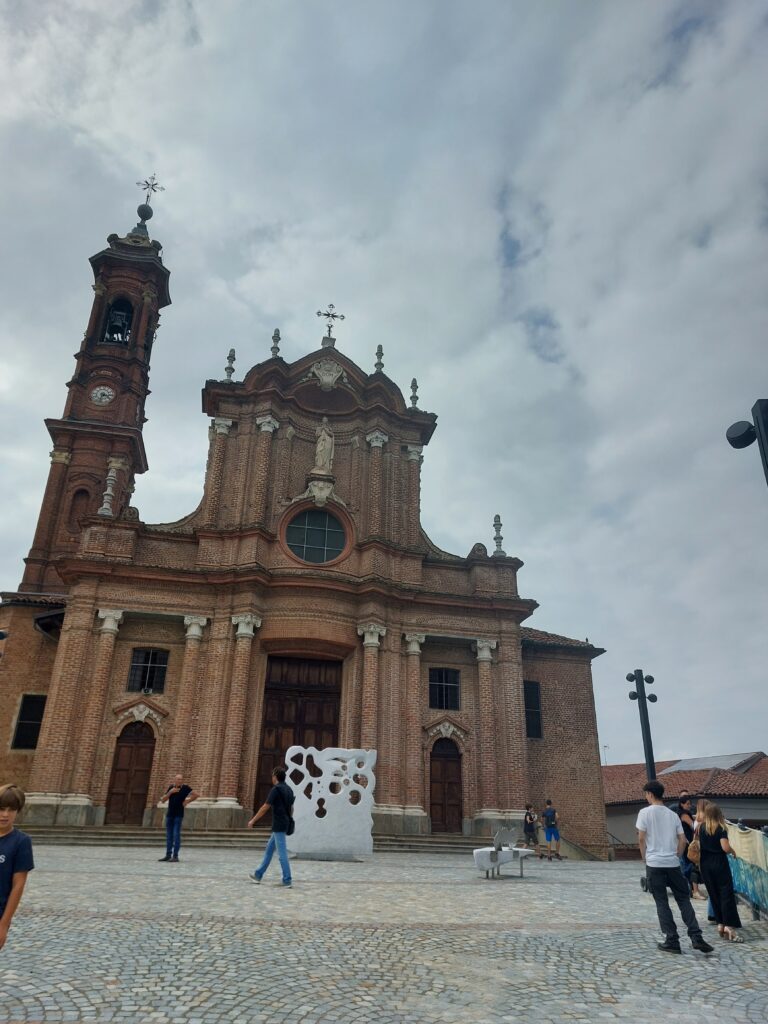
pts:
[78, 507]
[119, 320]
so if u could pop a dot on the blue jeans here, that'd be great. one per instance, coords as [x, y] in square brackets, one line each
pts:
[277, 839]
[172, 835]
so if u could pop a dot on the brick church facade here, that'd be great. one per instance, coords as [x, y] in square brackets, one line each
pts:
[300, 602]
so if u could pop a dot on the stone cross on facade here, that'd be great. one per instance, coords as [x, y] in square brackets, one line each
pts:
[330, 316]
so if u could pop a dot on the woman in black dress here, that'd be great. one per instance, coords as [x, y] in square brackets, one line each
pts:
[716, 872]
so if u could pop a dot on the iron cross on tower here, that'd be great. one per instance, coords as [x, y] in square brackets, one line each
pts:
[330, 316]
[150, 186]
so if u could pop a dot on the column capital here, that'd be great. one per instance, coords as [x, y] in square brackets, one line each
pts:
[194, 626]
[246, 623]
[112, 619]
[371, 633]
[414, 452]
[267, 424]
[377, 438]
[483, 648]
[221, 426]
[117, 462]
[59, 456]
[414, 641]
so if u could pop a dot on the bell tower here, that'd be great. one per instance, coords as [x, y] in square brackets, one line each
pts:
[98, 446]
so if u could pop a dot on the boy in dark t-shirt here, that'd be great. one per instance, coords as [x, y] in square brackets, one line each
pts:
[15, 857]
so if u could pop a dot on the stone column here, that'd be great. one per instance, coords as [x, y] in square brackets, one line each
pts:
[55, 741]
[93, 712]
[215, 473]
[257, 493]
[232, 754]
[413, 508]
[376, 439]
[371, 633]
[179, 759]
[416, 819]
[110, 502]
[487, 738]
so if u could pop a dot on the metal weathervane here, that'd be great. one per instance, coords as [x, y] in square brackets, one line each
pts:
[150, 186]
[330, 316]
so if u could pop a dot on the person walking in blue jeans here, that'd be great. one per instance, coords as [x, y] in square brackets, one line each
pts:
[179, 795]
[280, 802]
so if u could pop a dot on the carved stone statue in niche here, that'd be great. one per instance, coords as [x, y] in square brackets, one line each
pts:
[325, 448]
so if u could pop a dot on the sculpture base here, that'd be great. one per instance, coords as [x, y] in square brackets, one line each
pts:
[68, 809]
[487, 821]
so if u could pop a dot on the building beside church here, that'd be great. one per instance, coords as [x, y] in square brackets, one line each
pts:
[300, 603]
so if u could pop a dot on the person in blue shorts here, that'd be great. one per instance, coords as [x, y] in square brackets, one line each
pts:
[551, 831]
[15, 857]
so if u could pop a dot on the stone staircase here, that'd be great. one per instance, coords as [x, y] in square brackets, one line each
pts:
[254, 839]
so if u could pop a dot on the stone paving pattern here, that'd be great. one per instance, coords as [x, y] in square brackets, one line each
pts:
[113, 935]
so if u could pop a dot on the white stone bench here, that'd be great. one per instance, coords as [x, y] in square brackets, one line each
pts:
[490, 858]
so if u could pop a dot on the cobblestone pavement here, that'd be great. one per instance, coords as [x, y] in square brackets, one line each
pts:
[113, 935]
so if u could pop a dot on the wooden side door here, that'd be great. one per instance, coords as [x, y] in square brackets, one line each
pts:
[445, 787]
[131, 773]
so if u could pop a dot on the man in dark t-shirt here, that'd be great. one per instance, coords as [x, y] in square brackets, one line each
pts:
[179, 795]
[280, 802]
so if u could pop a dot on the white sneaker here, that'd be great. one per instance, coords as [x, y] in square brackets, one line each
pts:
[254, 878]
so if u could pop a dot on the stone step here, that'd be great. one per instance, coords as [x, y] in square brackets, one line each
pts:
[116, 835]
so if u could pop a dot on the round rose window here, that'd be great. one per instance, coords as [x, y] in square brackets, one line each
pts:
[315, 536]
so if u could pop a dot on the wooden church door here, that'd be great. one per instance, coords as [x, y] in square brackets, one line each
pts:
[445, 787]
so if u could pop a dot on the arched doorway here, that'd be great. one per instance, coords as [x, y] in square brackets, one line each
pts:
[445, 787]
[131, 770]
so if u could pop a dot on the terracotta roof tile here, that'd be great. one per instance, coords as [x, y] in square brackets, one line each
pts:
[623, 783]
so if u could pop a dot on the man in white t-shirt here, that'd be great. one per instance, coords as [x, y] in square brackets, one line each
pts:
[661, 839]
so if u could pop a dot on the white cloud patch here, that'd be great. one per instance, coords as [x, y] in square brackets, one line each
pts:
[554, 216]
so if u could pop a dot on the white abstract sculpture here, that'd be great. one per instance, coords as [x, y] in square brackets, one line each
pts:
[334, 802]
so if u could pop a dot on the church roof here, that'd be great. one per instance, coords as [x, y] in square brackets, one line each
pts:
[539, 638]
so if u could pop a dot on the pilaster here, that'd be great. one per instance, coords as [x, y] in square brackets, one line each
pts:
[416, 815]
[376, 439]
[371, 632]
[179, 760]
[487, 740]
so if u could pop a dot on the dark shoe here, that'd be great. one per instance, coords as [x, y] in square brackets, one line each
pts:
[712, 920]
[702, 946]
[166, 857]
[174, 860]
[669, 946]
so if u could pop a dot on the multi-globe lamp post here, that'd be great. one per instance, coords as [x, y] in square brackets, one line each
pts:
[642, 698]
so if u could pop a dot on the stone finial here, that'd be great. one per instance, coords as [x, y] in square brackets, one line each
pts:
[276, 343]
[414, 394]
[379, 364]
[230, 369]
[499, 552]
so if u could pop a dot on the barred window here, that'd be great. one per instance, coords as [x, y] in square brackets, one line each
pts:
[444, 689]
[532, 695]
[315, 536]
[29, 721]
[148, 668]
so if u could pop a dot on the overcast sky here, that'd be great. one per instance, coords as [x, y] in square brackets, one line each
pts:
[554, 215]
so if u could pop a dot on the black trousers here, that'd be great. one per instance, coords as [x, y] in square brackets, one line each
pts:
[658, 880]
[716, 872]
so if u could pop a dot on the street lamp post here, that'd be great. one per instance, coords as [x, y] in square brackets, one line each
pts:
[641, 697]
[743, 433]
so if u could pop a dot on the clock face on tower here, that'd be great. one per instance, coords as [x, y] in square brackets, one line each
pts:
[102, 395]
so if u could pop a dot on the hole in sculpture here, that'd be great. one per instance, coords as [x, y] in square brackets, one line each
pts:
[296, 776]
[334, 788]
[312, 768]
[321, 811]
[354, 796]
[361, 764]
[308, 791]
[361, 780]
[298, 757]
[345, 781]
